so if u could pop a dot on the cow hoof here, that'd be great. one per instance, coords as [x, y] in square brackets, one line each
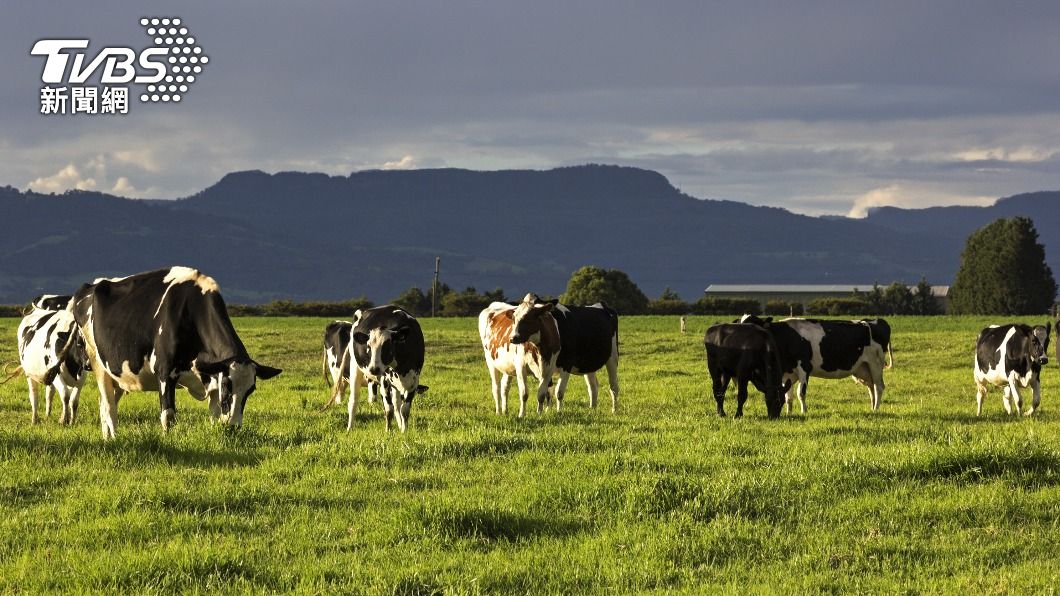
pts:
[169, 417]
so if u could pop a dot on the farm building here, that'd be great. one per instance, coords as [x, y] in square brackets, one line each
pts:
[803, 293]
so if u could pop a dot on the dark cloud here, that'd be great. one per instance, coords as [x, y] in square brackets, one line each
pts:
[809, 105]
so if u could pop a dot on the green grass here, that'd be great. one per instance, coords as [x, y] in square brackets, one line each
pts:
[921, 496]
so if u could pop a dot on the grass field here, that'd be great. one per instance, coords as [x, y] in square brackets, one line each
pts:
[920, 496]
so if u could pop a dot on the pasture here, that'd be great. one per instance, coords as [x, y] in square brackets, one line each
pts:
[920, 496]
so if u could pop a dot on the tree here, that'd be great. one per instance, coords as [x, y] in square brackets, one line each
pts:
[418, 302]
[469, 302]
[924, 302]
[1003, 272]
[668, 303]
[897, 300]
[594, 284]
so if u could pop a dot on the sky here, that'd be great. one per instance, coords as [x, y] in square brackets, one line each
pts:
[817, 107]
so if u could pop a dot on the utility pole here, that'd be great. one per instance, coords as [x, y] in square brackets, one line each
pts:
[434, 292]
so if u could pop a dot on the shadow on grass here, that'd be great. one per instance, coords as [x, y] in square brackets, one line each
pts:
[490, 526]
[1032, 466]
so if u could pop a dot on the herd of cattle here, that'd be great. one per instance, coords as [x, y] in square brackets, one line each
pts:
[162, 329]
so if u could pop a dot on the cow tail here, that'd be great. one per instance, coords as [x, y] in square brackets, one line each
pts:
[337, 387]
[324, 369]
[17, 371]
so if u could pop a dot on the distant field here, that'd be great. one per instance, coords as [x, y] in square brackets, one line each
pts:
[920, 496]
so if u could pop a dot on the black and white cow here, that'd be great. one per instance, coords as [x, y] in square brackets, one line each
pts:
[42, 338]
[746, 354]
[830, 350]
[588, 337]
[1011, 356]
[387, 347]
[154, 331]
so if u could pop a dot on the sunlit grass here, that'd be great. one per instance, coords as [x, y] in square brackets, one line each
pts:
[921, 496]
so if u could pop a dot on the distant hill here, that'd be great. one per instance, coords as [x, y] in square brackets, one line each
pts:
[312, 236]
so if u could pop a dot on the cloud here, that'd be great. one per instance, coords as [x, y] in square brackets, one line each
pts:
[70, 177]
[898, 196]
[405, 163]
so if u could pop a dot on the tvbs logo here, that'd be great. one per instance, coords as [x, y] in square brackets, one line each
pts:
[166, 70]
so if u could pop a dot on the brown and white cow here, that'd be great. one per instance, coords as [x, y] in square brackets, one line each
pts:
[518, 341]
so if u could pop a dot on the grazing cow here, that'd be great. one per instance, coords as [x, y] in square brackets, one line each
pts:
[387, 347]
[746, 354]
[517, 341]
[830, 350]
[154, 331]
[1011, 356]
[42, 336]
[588, 337]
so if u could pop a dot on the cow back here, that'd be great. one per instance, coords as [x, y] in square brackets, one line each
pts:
[587, 336]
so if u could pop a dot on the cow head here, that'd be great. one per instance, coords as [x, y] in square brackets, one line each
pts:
[527, 319]
[232, 381]
[379, 348]
[1039, 345]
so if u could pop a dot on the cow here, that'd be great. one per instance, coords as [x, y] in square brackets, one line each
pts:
[588, 337]
[42, 336]
[746, 354]
[519, 341]
[1011, 356]
[388, 350]
[831, 350]
[156, 330]
[336, 365]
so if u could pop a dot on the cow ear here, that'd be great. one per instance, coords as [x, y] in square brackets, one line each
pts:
[211, 368]
[544, 307]
[400, 334]
[421, 389]
[265, 372]
[767, 320]
[554, 301]
[360, 337]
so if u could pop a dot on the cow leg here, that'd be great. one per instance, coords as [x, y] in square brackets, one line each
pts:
[404, 410]
[980, 395]
[719, 382]
[167, 401]
[804, 380]
[594, 388]
[64, 392]
[32, 401]
[108, 403]
[1036, 396]
[524, 391]
[49, 392]
[792, 391]
[495, 388]
[388, 406]
[612, 376]
[1007, 399]
[73, 395]
[561, 388]
[741, 396]
[506, 380]
[877, 386]
[542, 392]
[1016, 397]
[356, 380]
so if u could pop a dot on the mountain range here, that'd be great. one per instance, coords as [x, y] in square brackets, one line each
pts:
[306, 236]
